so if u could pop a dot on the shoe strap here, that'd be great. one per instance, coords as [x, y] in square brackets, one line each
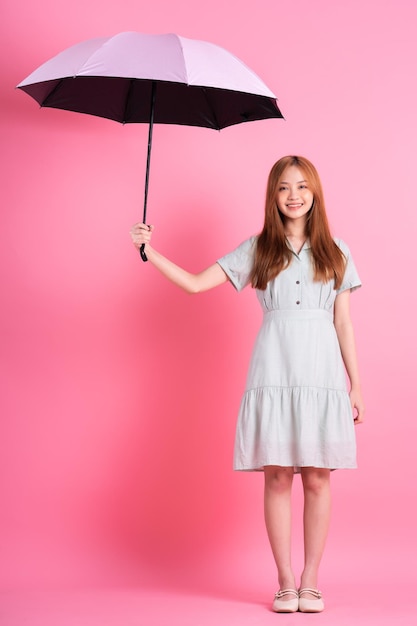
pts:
[314, 592]
[286, 592]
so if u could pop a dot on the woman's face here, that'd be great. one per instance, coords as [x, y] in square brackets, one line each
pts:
[294, 198]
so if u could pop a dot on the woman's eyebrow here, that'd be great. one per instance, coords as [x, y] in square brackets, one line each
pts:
[283, 182]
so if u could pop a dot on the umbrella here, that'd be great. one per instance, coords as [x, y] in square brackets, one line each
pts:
[167, 79]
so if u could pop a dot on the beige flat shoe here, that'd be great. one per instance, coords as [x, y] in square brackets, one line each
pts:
[310, 605]
[281, 605]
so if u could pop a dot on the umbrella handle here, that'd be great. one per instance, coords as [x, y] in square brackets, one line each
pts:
[142, 253]
[148, 163]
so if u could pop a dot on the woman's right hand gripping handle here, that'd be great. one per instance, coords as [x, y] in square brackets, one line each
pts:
[141, 235]
[213, 276]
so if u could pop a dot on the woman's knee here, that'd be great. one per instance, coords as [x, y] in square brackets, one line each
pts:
[315, 479]
[278, 478]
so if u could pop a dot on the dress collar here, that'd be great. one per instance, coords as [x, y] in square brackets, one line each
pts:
[306, 245]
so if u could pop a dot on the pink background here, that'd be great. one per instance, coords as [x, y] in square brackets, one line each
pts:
[119, 393]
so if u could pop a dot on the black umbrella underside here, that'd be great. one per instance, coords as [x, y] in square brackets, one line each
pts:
[128, 101]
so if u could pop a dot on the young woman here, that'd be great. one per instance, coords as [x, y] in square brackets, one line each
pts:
[296, 415]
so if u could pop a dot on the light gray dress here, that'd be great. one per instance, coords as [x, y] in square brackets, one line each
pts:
[295, 411]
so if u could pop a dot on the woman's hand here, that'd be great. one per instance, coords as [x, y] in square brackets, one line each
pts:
[141, 234]
[357, 404]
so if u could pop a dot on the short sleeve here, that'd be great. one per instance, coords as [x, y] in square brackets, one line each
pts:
[351, 278]
[238, 264]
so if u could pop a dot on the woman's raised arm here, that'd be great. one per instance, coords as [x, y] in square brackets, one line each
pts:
[191, 283]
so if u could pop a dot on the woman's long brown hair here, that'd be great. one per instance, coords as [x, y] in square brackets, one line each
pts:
[272, 252]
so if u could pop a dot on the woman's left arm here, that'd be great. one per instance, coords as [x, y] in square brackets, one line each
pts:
[344, 329]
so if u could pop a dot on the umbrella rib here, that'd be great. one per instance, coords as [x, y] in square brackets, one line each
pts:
[129, 92]
[213, 113]
[59, 84]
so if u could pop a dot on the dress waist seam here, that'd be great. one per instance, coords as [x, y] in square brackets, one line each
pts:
[299, 314]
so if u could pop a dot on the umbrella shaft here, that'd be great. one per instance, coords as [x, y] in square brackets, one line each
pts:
[148, 162]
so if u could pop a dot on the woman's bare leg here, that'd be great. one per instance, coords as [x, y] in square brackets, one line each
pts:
[317, 505]
[277, 503]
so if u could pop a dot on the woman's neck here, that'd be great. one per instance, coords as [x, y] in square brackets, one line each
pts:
[296, 235]
[296, 228]
[295, 232]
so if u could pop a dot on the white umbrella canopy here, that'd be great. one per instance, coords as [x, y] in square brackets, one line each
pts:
[166, 79]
